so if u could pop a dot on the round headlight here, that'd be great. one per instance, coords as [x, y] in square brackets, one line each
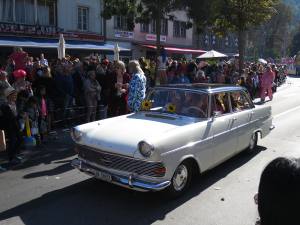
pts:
[76, 134]
[145, 149]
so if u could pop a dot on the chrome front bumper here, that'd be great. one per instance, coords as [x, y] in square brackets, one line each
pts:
[129, 182]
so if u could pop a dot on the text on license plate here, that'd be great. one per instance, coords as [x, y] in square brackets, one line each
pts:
[103, 176]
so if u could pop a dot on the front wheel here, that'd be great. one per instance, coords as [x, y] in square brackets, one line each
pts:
[181, 180]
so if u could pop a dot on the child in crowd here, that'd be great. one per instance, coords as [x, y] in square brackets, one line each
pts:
[42, 101]
[33, 115]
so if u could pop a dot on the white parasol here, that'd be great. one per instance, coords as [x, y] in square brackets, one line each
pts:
[262, 61]
[116, 52]
[211, 55]
[61, 49]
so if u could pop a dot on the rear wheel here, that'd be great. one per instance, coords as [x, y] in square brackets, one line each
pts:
[181, 180]
[253, 143]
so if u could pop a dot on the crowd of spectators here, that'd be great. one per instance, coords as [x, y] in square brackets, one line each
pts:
[47, 93]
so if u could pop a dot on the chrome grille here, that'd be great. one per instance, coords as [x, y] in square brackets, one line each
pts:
[121, 163]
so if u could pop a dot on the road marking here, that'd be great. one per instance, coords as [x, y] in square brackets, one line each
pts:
[286, 112]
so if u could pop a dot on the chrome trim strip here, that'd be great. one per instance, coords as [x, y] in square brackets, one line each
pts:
[128, 182]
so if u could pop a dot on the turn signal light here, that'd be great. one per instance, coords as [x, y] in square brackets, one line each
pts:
[160, 171]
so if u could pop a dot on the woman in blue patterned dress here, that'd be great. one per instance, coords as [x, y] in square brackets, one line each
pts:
[137, 86]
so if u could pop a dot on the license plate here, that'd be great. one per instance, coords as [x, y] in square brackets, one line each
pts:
[103, 176]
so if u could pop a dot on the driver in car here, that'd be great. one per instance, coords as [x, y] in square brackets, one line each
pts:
[195, 105]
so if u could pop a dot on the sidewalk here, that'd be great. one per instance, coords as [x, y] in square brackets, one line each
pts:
[56, 139]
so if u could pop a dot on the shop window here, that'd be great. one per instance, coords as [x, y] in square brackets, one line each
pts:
[83, 18]
[121, 23]
[24, 11]
[145, 27]
[179, 29]
[164, 27]
[46, 12]
[153, 27]
[6, 10]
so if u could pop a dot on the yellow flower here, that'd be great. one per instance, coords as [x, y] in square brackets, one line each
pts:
[171, 108]
[146, 105]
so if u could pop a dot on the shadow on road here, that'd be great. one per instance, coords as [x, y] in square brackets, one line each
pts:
[93, 202]
[57, 170]
[55, 150]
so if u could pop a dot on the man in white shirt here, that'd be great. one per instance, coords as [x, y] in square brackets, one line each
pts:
[43, 61]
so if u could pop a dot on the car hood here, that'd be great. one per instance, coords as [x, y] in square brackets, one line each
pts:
[122, 134]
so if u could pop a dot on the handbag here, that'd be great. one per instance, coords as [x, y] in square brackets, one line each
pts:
[2, 141]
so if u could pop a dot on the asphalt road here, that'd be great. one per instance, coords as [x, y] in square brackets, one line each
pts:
[46, 190]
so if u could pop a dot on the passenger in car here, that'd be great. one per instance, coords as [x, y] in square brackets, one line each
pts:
[235, 103]
[201, 104]
[187, 103]
[219, 106]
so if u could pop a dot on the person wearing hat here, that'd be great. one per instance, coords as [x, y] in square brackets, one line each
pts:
[21, 84]
[9, 123]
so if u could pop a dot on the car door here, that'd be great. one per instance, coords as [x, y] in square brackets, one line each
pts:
[224, 136]
[242, 108]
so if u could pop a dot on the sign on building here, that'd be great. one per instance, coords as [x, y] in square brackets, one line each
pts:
[124, 34]
[152, 37]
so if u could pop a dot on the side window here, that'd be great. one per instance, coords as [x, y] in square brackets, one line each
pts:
[239, 101]
[220, 103]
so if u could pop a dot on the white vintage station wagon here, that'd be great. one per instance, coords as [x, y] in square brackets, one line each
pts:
[181, 131]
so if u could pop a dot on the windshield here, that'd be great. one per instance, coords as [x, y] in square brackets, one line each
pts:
[182, 102]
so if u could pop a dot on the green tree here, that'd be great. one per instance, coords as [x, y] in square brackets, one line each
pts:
[295, 45]
[242, 15]
[239, 16]
[278, 31]
[142, 11]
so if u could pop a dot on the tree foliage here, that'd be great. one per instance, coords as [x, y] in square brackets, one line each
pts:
[237, 16]
[295, 45]
[141, 10]
[241, 15]
[278, 30]
[138, 11]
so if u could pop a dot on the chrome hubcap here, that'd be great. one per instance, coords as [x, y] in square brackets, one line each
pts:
[180, 178]
[252, 141]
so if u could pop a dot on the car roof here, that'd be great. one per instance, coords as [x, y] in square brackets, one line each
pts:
[204, 87]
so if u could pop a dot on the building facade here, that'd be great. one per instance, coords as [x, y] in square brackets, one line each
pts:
[36, 24]
[142, 39]
[81, 17]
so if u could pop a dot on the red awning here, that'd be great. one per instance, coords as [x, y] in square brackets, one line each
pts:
[178, 50]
